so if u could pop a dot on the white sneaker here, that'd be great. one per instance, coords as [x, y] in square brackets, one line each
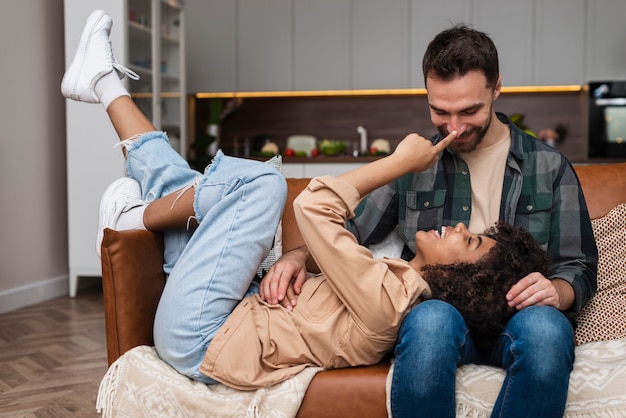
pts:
[121, 196]
[93, 60]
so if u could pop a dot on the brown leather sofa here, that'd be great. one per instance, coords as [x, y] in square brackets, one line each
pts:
[133, 280]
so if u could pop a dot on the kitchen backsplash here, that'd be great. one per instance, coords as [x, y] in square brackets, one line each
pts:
[250, 121]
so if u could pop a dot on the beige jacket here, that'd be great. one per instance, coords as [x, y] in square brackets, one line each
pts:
[347, 316]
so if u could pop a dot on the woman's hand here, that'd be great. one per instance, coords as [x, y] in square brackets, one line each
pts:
[419, 153]
[283, 282]
[414, 153]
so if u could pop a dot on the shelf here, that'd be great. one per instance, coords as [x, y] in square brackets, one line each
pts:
[376, 92]
[139, 28]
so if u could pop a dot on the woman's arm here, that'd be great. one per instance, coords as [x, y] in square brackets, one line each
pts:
[284, 280]
[414, 154]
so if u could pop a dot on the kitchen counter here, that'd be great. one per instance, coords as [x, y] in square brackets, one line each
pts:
[323, 159]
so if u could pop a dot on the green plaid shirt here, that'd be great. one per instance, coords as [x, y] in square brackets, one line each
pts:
[541, 193]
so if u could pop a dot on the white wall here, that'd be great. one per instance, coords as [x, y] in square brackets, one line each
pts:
[33, 208]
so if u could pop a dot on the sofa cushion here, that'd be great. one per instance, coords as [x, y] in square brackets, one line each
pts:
[604, 317]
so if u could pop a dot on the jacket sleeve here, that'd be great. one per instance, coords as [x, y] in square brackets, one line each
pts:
[378, 293]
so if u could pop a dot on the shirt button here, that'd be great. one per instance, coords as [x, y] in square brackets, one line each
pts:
[529, 207]
[465, 208]
[465, 172]
[426, 204]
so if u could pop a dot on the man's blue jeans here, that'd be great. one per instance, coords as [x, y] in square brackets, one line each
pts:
[238, 204]
[536, 349]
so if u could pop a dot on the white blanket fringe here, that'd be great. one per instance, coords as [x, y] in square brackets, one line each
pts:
[108, 390]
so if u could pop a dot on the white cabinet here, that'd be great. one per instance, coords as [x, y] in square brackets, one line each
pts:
[559, 56]
[264, 45]
[249, 45]
[211, 45]
[92, 163]
[427, 20]
[380, 44]
[321, 53]
[606, 33]
[509, 23]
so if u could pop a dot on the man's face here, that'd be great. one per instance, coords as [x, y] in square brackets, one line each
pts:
[464, 104]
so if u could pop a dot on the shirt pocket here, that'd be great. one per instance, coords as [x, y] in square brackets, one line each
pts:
[317, 301]
[424, 211]
[534, 213]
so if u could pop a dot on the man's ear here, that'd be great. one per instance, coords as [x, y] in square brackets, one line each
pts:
[496, 90]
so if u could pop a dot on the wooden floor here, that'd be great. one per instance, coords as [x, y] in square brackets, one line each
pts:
[52, 357]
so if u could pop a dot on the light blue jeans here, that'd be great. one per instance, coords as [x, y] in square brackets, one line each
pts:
[536, 349]
[238, 204]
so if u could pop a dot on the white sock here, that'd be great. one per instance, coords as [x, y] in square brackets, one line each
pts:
[131, 219]
[109, 88]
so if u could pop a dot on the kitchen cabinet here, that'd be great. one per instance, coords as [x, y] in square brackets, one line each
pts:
[147, 36]
[211, 38]
[264, 45]
[427, 20]
[509, 23]
[380, 44]
[246, 45]
[606, 32]
[321, 44]
[559, 56]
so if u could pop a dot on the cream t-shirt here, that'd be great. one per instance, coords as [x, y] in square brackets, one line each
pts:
[486, 168]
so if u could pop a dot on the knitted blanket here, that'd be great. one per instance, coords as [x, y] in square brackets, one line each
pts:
[140, 384]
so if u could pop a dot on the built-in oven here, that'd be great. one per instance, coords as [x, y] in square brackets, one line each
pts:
[607, 119]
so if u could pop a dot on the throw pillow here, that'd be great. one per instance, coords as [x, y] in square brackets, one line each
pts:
[604, 317]
[277, 247]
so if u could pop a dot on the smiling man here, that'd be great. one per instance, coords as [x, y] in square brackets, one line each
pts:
[491, 172]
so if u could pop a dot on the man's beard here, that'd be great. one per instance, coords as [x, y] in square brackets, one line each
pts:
[464, 147]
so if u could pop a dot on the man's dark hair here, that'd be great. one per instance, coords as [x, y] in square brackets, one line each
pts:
[459, 50]
[478, 290]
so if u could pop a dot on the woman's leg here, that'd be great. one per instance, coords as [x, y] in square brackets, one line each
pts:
[127, 119]
[94, 76]
[238, 204]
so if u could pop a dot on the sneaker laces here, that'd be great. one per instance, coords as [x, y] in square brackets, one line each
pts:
[122, 71]
[119, 68]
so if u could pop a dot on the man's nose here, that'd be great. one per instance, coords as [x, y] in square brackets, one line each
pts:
[456, 124]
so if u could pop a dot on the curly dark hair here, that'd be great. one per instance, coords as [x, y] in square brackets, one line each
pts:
[478, 290]
[459, 50]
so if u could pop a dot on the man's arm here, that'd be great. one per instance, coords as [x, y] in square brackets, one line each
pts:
[571, 245]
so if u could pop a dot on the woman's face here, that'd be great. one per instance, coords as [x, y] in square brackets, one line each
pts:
[451, 245]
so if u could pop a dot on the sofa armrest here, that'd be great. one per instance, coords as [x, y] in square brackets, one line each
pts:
[132, 283]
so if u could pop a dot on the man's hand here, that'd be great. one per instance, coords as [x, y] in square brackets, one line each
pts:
[535, 289]
[283, 282]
